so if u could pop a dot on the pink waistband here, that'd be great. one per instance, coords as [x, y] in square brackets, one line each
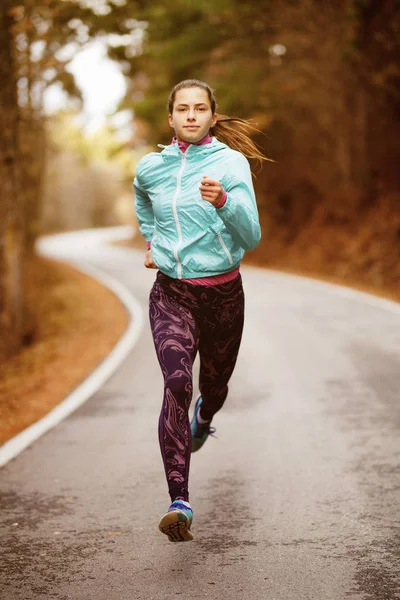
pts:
[214, 279]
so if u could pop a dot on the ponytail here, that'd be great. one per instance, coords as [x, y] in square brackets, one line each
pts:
[235, 133]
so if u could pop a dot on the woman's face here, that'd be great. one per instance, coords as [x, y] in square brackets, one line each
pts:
[191, 116]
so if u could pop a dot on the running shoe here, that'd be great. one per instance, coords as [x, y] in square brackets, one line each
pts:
[200, 431]
[177, 521]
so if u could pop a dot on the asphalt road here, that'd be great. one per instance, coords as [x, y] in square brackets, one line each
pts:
[297, 499]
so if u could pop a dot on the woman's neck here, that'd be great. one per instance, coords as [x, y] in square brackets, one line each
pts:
[183, 146]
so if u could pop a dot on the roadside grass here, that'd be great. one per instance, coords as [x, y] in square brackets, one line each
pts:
[387, 292]
[76, 323]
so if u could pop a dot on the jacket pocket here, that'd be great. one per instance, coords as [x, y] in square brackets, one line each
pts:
[225, 249]
[218, 233]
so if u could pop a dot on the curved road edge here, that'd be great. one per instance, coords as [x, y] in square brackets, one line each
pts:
[335, 288]
[95, 379]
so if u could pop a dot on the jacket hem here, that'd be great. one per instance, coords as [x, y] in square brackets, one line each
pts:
[198, 274]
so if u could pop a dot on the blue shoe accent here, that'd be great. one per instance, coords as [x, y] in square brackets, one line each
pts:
[176, 522]
[200, 431]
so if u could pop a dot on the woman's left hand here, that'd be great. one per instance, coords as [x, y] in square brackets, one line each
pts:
[211, 190]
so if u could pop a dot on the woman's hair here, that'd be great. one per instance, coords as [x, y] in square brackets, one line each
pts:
[232, 131]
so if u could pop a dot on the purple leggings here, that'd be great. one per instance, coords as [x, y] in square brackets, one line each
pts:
[184, 319]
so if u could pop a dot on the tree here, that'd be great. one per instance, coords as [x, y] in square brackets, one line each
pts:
[11, 214]
[30, 35]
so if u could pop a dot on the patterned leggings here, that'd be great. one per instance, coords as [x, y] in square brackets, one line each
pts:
[184, 319]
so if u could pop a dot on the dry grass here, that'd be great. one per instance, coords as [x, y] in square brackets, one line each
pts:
[388, 292]
[78, 322]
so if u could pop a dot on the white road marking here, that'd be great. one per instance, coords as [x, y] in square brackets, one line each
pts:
[95, 380]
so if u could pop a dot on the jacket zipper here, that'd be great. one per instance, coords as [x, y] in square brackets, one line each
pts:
[225, 248]
[175, 211]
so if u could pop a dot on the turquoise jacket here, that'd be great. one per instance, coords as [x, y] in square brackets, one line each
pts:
[189, 236]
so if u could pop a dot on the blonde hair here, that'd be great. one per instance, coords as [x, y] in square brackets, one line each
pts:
[232, 131]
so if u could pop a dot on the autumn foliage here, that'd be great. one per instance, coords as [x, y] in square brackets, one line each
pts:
[321, 80]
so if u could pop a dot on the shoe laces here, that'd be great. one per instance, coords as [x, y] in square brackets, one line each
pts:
[212, 432]
[203, 428]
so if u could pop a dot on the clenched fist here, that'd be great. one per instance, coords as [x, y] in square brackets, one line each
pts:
[211, 190]
[148, 261]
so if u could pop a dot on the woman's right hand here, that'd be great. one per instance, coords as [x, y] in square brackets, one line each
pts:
[148, 261]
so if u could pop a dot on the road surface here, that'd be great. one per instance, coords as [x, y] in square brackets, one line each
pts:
[298, 498]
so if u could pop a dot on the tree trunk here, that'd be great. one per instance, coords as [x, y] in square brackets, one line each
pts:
[11, 218]
[32, 135]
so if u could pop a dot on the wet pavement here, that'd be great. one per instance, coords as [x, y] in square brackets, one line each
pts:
[297, 498]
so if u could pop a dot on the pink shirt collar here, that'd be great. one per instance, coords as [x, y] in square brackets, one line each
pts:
[183, 146]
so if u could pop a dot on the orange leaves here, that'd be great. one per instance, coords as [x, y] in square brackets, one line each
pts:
[17, 12]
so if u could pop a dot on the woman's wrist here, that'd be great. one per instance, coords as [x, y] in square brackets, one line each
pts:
[221, 203]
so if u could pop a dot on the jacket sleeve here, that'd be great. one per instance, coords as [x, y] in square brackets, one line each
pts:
[239, 213]
[143, 209]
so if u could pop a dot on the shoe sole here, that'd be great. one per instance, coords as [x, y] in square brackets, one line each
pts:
[176, 528]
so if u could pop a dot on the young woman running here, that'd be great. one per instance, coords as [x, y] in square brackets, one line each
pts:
[197, 211]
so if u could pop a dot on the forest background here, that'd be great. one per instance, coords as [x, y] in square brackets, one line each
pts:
[319, 78]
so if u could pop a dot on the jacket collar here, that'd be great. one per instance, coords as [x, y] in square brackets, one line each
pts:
[172, 151]
[183, 146]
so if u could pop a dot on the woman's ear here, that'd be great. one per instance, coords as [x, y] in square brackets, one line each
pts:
[170, 121]
[214, 120]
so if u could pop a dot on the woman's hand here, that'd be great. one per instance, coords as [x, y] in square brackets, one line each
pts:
[211, 190]
[148, 261]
